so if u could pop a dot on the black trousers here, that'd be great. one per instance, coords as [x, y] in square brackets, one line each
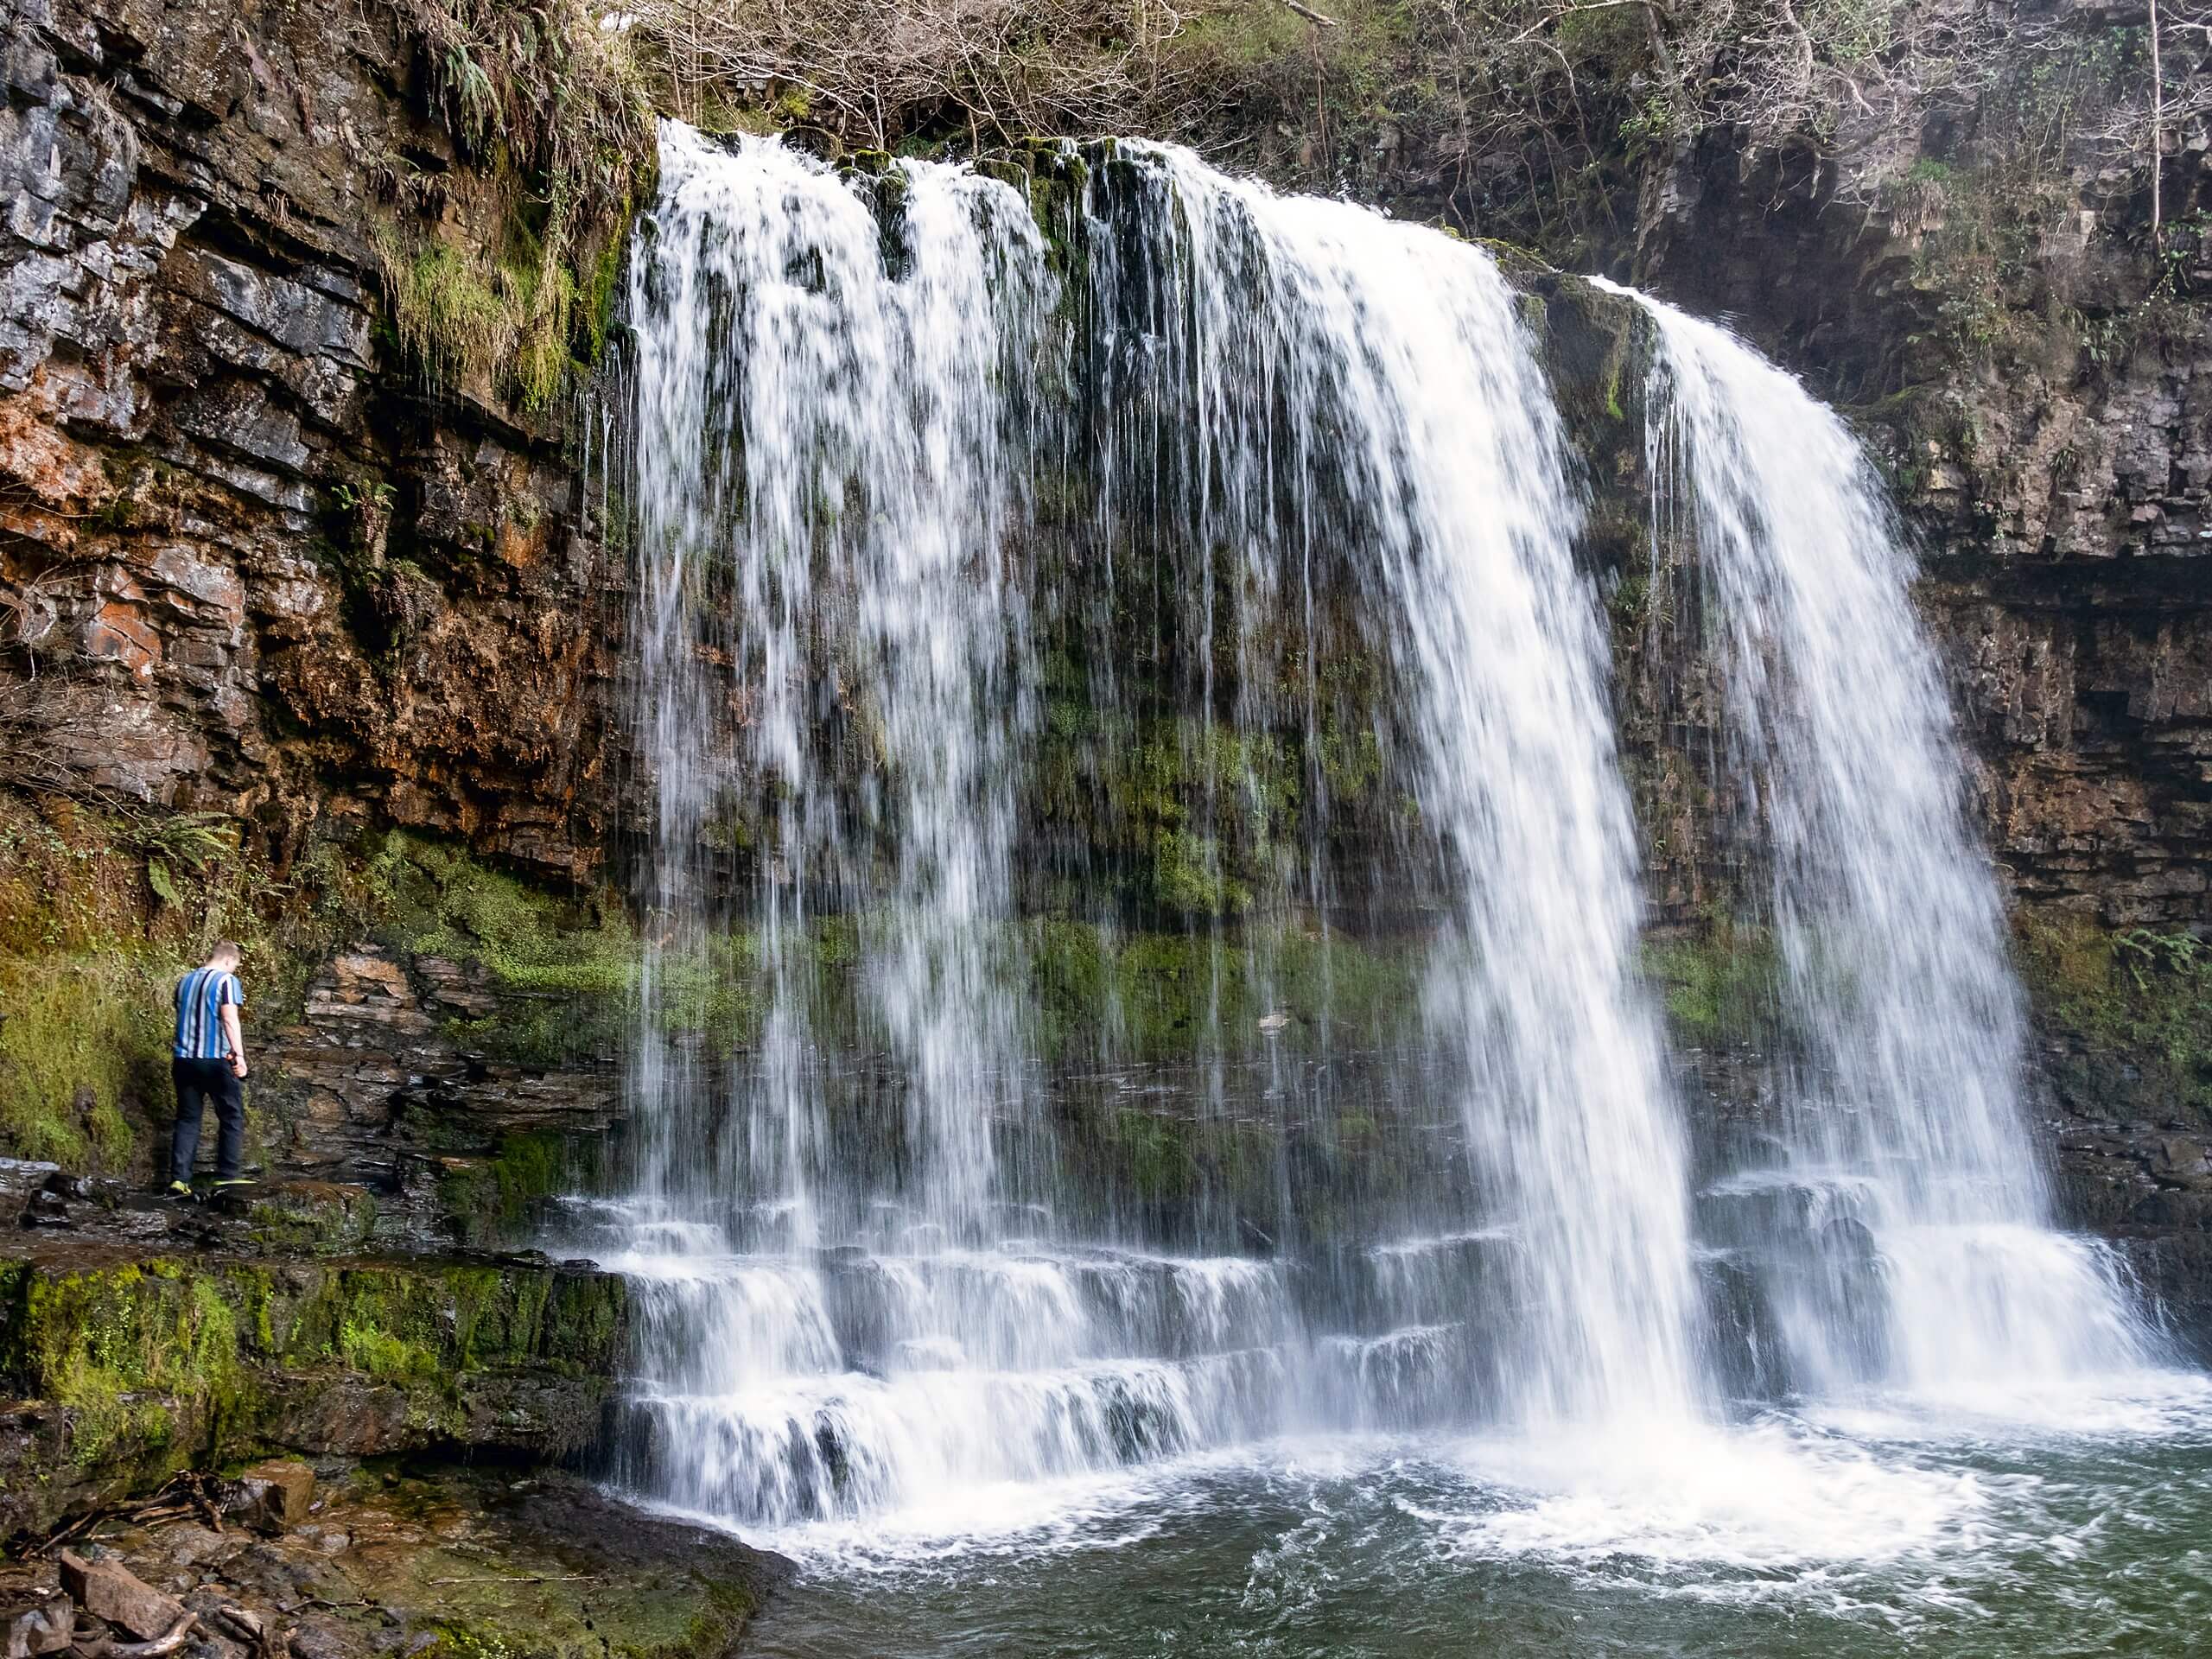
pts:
[200, 1084]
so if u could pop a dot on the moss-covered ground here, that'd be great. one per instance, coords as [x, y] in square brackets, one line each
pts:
[165, 1361]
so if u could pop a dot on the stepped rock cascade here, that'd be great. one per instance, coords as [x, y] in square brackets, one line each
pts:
[871, 1274]
[1907, 1229]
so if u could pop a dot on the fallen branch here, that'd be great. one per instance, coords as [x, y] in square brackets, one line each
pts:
[1546, 21]
[525, 1578]
[102, 1510]
[159, 1647]
[1312, 16]
[250, 1628]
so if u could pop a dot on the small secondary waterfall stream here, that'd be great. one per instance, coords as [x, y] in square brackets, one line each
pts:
[1905, 1119]
[903, 470]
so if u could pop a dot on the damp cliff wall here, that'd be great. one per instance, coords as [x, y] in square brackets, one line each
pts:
[252, 565]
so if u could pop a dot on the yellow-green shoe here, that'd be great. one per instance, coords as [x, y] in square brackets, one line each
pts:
[231, 1182]
[182, 1190]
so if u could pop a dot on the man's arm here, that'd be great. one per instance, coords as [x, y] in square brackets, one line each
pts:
[233, 1038]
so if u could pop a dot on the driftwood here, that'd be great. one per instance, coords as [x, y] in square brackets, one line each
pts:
[252, 1630]
[105, 1647]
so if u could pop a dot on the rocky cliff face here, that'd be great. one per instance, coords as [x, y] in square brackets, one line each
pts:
[253, 573]
[2046, 428]
[246, 563]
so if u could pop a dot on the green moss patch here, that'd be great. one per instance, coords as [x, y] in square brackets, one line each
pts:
[81, 1033]
[1719, 989]
[1154, 996]
[163, 1363]
[492, 1198]
[2135, 1004]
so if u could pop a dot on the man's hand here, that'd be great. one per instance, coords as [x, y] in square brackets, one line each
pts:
[237, 1066]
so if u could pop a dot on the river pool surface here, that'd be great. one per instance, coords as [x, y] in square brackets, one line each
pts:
[2086, 1529]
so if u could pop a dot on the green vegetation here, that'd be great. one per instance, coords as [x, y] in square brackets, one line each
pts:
[1720, 987]
[428, 897]
[84, 1033]
[100, 909]
[145, 1357]
[562, 966]
[548, 108]
[457, 319]
[1193, 818]
[168, 1362]
[492, 1198]
[90, 943]
[313, 1218]
[1173, 995]
[2135, 996]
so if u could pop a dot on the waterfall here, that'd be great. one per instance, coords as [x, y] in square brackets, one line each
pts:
[889, 444]
[1907, 1227]
[987, 517]
[1371, 382]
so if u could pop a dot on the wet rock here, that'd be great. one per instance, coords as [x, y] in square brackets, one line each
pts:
[223, 1356]
[189, 366]
[451, 1561]
[46, 1208]
[273, 1497]
[109, 1592]
[41, 1628]
[20, 1178]
[374, 1091]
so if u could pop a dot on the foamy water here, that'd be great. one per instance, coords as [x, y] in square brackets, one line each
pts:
[1784, 1536]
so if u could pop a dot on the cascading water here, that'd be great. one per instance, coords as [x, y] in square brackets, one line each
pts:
[906, 477]
[1906, 1134]
[1351, 379]
[826, 502]
[866, 1279]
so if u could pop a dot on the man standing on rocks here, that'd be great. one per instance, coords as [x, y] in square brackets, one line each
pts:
[208, 1064]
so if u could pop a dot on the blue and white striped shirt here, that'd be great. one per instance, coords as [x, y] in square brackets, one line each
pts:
[200, 996]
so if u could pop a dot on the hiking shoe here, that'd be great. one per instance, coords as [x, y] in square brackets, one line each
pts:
[180, 1191]
[231, 1182]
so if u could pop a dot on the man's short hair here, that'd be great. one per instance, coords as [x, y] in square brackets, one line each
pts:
[226, 948]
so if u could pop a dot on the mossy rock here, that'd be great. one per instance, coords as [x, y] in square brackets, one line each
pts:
[2126, 1013]
[147, 1365]
[1720, 987]
[490, 1200]
[311, 1218]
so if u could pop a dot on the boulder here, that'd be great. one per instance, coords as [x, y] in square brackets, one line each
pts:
[273, 1497]
[107, 1590]
[42, 1627]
